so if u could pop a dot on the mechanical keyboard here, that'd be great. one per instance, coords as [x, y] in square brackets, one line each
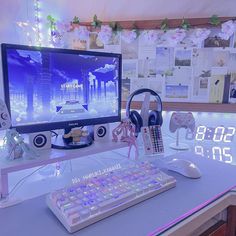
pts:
[93, 199]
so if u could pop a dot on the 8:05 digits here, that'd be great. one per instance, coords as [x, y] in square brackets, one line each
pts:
[217, 134]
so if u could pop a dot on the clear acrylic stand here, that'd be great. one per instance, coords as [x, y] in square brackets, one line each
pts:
[177, 145]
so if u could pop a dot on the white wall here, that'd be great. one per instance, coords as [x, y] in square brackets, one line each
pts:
[22, 10]
[140, 9]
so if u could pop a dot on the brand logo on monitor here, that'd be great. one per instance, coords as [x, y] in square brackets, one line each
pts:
[72, 124]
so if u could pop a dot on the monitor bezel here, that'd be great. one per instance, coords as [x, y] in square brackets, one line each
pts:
[32, 128]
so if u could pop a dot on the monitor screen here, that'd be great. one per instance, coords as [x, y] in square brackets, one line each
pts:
[48, 88]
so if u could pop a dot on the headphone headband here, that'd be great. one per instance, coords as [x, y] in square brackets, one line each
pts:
[140, 91]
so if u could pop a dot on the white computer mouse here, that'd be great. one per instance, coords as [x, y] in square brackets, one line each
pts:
[185, 168]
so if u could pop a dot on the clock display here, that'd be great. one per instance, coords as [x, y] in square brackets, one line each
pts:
[216, 134]
[223, 154]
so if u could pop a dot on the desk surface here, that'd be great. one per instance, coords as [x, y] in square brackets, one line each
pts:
[150, 217]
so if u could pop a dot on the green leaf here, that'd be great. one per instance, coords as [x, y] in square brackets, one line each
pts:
[165, 25]
[96, 22]
[214, 20]
[75, 20]
[116, 27]
[185, 24]
[135, 28]
[51, 19]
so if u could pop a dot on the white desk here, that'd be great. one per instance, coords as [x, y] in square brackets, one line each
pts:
[48, 157]
[150, 217]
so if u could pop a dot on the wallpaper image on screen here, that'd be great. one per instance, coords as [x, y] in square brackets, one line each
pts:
[55, 87]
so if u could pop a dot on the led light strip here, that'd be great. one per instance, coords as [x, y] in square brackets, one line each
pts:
[37, 14]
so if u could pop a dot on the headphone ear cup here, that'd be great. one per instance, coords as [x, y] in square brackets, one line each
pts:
[155, 118]
[137, 120]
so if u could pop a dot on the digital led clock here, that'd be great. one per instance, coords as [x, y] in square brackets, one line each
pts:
[216, 134]
[223, 154]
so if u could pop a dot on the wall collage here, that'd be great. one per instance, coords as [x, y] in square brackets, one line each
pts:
[196, 65]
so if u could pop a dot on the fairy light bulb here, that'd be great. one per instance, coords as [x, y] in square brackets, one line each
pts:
[38, 25]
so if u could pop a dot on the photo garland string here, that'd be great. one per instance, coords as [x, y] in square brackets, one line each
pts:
[171, 37]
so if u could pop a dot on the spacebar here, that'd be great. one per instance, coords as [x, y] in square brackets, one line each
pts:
[116, 201]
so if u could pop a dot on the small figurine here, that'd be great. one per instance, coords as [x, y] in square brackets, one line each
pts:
[127, 129]
[75, 135]
[17, 148]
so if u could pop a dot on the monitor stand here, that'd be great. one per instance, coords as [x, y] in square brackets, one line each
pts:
[60, 142]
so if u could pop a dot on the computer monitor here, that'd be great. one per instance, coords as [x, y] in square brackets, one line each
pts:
[48, 88]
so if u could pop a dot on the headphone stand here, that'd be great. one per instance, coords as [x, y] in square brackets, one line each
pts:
[177, 145]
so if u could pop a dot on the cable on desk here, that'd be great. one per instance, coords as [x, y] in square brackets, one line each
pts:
[24, 179]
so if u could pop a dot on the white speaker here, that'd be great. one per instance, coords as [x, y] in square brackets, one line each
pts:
[40, 140]
[102, 133]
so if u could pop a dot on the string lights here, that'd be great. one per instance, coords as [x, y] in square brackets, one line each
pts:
[38, 22]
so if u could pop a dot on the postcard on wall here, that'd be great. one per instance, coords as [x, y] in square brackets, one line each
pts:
[200, 84]
[156, 85]
[216, 88]
[181, 75]
[79, 44]
[187, 42]
[147, 68]
[202, 58]
[232, 89]
[183, 57]
[176, 93]
[129, 50]
[147, 52]
[130, 69]
[114, 45]
[165, 60]
[72, 41]
[215, 41]
[200, 89]
[220, 58]
[219, 70]
[125, 89]
[138, 84]
[232, 62]
[94, 42]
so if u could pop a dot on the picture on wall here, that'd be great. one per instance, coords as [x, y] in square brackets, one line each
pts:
[94, 42]
[201, 87]
[232, 90]
[156, 85]
[164, 60]
[232, 62]
[216, 88]
[215, 41]
[147, 68]
[202, 58]
[114, 45]
[183, 57]
[220, 58]
[181, 75]
[129, 50]
[125, 89]
[79, 44]
[130, 69]
[138, 84]
[176, 91]
[146, 48]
